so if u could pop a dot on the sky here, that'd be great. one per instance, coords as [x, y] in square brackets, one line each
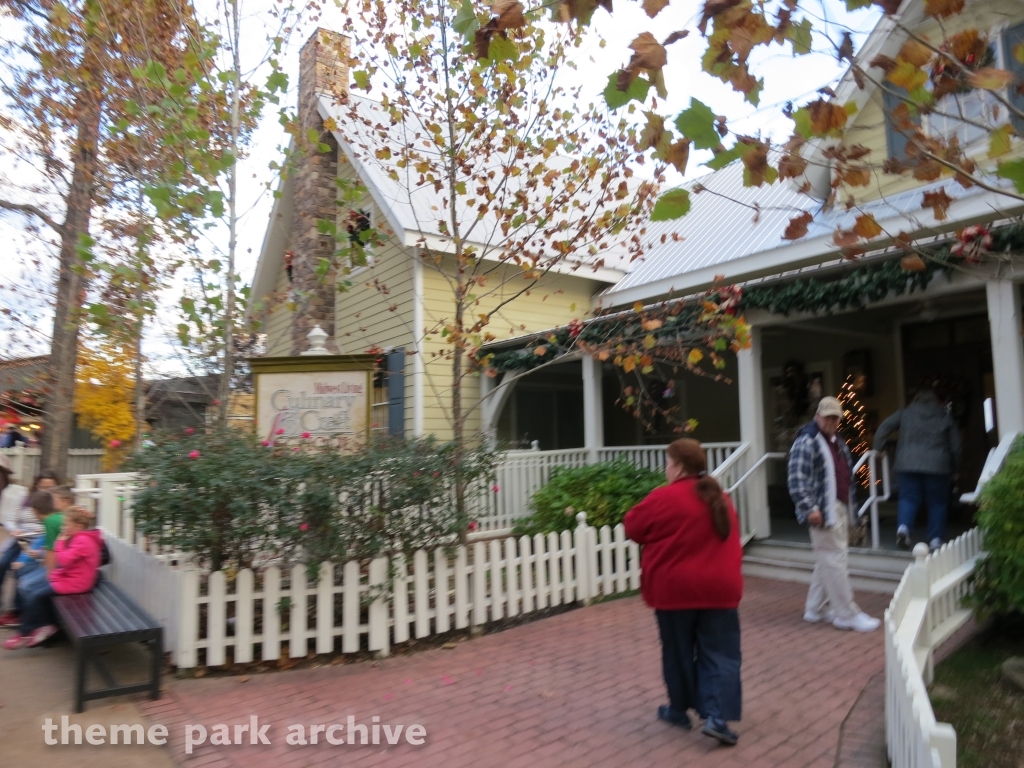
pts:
[787, 78]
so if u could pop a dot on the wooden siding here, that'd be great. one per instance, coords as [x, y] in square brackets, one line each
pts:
[553, 302]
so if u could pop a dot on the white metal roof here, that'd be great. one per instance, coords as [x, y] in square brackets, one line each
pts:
[726, 221]
[415, 210]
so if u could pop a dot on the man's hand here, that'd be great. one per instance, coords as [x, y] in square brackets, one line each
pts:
[815, 518]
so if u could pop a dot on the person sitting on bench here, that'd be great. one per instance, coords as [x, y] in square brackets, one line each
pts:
[77, 554]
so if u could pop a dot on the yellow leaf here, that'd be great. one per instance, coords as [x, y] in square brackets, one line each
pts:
[990, 78]
[650, 342]
[907, 76]
[916, 53]
[867, 227]
[694, 357]
[638, 307]
[999, 140]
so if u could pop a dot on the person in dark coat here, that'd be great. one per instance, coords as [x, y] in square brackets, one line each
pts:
[926, 457]
[690, 575]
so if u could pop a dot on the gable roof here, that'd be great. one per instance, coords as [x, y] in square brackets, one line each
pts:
[412, 209]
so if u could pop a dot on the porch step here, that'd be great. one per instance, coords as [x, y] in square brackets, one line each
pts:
[870, 570]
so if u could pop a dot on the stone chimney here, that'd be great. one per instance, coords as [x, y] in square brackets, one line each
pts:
[323, 70]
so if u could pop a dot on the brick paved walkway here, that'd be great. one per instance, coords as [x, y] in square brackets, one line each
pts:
[578, 689]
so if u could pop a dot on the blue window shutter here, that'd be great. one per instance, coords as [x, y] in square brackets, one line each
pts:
[396, 392]
[1012, 37]
[895, 140]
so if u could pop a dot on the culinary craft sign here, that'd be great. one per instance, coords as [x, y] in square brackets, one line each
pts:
[323, 396]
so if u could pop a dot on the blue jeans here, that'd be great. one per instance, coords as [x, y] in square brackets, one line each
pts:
[37, 608]
[933, 490]
[30, 579]
[11, 552]
[700, 658]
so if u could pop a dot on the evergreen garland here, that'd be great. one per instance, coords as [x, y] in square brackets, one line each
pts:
[862, 286]
[870, 283]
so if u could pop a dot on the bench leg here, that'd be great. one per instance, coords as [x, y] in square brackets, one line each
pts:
[79, 678]
[157, 647]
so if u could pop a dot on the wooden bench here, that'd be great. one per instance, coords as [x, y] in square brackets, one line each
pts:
[102, 618]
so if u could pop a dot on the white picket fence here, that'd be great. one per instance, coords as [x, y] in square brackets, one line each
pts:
[214, 619]
[925, 611]
[26, 462]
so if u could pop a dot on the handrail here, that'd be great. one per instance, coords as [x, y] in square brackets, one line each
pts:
[993, 464]
[733, 459]
[874, 498]
[757, 464]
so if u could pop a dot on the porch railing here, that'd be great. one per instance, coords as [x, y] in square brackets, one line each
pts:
[26, 462]
[523, 473]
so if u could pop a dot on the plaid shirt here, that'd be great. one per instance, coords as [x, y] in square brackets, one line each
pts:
[810, 486]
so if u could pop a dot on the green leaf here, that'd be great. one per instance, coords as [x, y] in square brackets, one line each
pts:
[802, 123]
[853, 5]
[502, 49]
[799, 35]
[674, 204]
[616, 98]
[698, 124]
[1014, 171]
[362, 79]
[466, 23]
[278, 81]
[725, 157]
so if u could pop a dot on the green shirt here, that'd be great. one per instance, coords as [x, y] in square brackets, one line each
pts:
[51, 525]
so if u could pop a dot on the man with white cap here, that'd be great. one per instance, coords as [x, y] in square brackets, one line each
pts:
[821, 485]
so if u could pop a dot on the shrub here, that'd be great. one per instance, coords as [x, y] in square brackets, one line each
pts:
[999, 578]
[234, 502]
[605, 491]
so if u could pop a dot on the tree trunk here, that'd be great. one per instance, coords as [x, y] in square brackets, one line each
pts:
[224, 386]
[59, 413]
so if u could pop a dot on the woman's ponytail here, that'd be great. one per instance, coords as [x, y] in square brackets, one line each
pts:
[689, 454]
[710, 493]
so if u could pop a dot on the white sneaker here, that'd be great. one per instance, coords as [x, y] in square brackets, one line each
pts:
[934, 545]
[814, 617]
[859, 623]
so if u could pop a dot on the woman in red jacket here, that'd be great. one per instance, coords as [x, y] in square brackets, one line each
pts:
[690, 576]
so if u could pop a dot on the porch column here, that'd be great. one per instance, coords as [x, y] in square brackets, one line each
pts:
[751, 392]
[593, 408]
[1004, 316]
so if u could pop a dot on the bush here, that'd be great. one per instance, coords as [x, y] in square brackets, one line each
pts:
[605, 491]
[999, 578]
[234, 502]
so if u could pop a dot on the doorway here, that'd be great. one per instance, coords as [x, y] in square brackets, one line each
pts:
[955, 356]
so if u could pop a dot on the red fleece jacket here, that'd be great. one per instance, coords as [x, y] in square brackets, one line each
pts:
[684, 565]
[78, 562]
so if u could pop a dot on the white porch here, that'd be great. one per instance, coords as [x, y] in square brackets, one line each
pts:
[903, 336]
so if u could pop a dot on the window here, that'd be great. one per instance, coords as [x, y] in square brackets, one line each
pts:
[896, 139]
[977, 105]
[387, 409]
[1011, 38]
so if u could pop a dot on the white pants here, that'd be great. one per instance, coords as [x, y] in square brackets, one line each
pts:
[830, 583]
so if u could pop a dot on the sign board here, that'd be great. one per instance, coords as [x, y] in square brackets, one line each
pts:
[327, 396]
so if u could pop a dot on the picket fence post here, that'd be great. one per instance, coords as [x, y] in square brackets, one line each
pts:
[188, 621]
[380, 630]
[581, 541]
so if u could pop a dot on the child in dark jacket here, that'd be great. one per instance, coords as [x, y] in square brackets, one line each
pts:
[77, 554]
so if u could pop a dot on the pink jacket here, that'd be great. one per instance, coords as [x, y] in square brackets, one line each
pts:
[78, 563]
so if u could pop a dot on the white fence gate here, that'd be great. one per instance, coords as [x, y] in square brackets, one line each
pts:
[26, 462]
[925, 611]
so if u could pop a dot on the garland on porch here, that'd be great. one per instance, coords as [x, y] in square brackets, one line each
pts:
[871, 283]
[712, 320]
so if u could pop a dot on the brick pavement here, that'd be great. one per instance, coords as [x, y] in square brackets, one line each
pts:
[577, 689]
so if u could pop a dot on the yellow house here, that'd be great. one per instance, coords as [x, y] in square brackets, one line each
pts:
[399, 302]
